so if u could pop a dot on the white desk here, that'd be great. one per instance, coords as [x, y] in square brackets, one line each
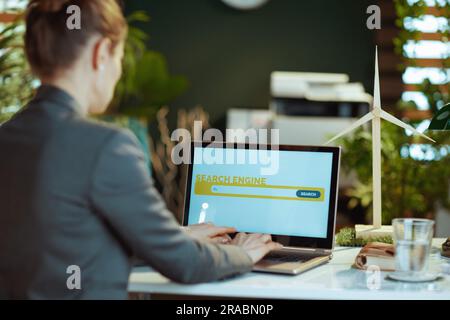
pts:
[335, 280]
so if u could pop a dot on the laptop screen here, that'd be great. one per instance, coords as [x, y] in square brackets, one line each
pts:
[279, 192]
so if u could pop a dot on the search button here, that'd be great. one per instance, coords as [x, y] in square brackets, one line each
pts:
[308, 194]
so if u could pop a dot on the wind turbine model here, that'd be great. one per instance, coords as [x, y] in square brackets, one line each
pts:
[377, 113]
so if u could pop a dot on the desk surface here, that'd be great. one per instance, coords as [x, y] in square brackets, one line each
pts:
[334, 280]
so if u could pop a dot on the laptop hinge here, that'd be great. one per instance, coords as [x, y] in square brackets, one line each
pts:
[308, 250]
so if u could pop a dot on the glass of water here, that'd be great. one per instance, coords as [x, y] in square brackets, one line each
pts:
[412, 239]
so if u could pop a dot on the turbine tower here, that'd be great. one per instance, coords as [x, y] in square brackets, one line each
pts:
[375, 116]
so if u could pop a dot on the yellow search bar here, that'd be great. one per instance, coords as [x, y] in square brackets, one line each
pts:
[295, 193]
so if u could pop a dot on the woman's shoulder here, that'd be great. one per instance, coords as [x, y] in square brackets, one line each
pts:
[98, 126]
[98, 131]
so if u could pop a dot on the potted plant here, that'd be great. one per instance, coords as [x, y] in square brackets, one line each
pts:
[146, 84]
[16, 81]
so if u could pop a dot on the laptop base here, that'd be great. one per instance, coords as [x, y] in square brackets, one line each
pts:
[290, 264]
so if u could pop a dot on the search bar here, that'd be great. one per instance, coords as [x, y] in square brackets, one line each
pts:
[294, 193]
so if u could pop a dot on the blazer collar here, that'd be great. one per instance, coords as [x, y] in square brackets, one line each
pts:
[58, 96]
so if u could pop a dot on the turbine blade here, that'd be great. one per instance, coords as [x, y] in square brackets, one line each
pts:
[388, 117]
[368, 117]
[376, 84]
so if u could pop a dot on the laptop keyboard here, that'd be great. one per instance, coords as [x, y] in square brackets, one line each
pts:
[287, 257]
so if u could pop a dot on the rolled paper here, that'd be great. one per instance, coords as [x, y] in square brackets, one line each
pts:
[377, 254]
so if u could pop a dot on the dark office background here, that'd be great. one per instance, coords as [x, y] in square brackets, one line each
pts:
[227, 55]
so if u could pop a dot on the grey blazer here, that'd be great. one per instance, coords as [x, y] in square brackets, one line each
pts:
[74, 192]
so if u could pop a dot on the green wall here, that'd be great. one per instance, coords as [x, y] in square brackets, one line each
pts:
[228, 55]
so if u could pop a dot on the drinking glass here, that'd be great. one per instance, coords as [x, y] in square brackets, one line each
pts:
[412, 240]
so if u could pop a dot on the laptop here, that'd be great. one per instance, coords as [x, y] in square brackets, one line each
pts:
[289, 192]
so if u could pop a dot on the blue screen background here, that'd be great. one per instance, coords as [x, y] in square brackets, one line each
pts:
[273, 216]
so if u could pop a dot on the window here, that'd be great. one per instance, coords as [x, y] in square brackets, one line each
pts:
[427, 57]
[12, 5]
[9, 10]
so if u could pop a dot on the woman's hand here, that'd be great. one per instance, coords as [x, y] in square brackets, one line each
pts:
[256, 245]
[210, 232]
